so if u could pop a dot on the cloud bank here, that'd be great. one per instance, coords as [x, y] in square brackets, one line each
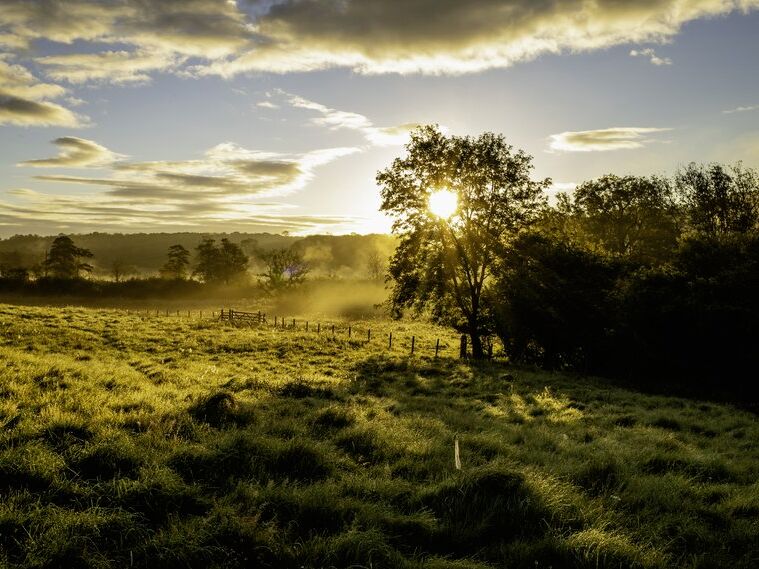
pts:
[134, 38]
[228, 188]
[24, 100]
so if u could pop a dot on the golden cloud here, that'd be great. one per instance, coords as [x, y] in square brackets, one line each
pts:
[616, 138]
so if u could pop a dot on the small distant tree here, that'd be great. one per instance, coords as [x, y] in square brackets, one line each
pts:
[376, 266]
[120, 269]
[284, 268]
[222, 263]
[64, 260]
[177, 266]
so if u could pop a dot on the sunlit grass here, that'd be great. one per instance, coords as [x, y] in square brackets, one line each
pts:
[134, 440]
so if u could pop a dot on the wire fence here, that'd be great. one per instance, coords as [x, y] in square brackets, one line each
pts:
[260, 319]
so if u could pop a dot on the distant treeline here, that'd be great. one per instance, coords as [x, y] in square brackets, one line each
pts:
[647, 278]
[143, 255]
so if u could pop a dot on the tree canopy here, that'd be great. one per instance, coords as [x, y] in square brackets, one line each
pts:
[219, 263]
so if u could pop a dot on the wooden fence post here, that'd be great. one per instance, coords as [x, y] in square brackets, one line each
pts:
[318, 327]
[306, 325]
[437, 346]
[369, 335]
[333, 329]
[413, 341]
[293, 323]
[349, 331]
[462, 347]
[390, 342]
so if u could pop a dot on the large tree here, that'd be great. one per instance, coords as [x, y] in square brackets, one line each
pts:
[64, 260]
[446, 263]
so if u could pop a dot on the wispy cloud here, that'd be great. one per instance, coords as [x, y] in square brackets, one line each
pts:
[616, 138]
[741, 109]
[651, 55]
[335, 119]
[76, 152]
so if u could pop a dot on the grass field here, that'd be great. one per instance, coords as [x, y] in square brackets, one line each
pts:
[136, 441]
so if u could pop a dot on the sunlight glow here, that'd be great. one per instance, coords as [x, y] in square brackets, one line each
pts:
[443, 203]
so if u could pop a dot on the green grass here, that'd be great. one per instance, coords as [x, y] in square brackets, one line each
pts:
[132, 441]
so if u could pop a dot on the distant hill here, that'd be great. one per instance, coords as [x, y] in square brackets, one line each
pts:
[338, 255]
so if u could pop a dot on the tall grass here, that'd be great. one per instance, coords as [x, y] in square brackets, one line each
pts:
[133, 441]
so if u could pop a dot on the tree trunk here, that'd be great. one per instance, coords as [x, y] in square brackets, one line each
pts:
[477, 351]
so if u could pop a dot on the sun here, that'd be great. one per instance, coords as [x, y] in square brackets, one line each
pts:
[443, 203]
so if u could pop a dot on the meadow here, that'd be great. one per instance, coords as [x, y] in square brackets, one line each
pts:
[135, 440]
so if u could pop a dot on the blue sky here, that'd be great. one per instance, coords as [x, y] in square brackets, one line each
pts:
[161, 116]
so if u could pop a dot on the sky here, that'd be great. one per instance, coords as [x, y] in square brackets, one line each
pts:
[275, 115]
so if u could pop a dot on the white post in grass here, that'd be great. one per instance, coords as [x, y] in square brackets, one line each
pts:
[456, 456]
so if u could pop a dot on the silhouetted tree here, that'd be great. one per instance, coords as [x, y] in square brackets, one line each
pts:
[176, 267]
[64, 259]
[447, 264]
[720, 200]
[284, 268]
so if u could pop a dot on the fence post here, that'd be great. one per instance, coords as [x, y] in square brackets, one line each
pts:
[306, 325]
[369, 335]
[413, 341]
[318, 327]
[275, 321]
[462, 347]
[349, 331]
[333, 329]
[437, 346]
[177, 312]
[293, 323]
[390, 342]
